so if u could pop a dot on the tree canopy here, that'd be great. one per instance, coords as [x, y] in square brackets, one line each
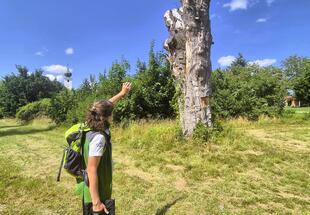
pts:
[17, 90]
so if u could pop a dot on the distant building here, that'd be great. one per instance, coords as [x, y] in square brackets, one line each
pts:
[68, 79]
[291, 100]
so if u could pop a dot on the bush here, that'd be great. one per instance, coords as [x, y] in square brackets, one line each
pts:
[33, 110]
[248, 92]
[19, 90]
[60, 106]
[78, 112]
[203, 134]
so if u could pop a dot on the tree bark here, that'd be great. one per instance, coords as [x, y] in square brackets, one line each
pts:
[189, 47]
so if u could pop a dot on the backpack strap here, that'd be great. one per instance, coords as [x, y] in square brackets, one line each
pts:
[106, 136]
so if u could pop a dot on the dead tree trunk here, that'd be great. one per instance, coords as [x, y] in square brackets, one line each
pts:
[189, 48]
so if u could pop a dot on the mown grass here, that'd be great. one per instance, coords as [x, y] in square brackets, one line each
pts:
[250, 168]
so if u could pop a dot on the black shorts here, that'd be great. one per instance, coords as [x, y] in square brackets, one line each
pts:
[87, 208]
[110, 204]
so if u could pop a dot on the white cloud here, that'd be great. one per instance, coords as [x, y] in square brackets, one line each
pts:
[261, 20]
[269, 2]
[56, 69]
[264, 62]
[69, 51]
[237, 5]
[59, 78]
[50, 76]
[226, 60]
[39, 53]
[42, 52]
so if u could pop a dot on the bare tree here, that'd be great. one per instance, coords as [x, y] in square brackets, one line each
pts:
[189, 48]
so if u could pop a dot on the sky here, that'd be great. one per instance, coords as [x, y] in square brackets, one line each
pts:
[87, 36]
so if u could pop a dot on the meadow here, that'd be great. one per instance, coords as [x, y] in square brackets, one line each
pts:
[260, 167]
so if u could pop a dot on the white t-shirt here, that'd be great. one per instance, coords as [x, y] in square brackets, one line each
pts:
[97, 145]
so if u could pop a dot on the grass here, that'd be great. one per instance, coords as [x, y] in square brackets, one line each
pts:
[251, 168]
[300, 110]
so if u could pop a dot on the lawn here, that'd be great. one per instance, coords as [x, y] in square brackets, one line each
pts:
[251, 168]
[300, 110]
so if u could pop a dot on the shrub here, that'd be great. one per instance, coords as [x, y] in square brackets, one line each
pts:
[203, 134]
[248, 92]
[78, 112]
[18, 90]
[33, 110]
[61, 104]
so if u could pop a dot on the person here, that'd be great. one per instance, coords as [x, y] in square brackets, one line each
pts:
[97, 152]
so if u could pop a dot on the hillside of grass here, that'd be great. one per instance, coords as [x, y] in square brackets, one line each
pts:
[251, 168]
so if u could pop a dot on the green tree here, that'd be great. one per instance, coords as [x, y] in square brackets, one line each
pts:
[18, 90]
[297, 73]
[109, 84]
[61, 105]
[155, 87]
[251, 92]
[294, 66]
[240, 61]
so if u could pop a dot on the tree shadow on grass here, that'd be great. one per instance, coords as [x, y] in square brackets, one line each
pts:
[20, 131]
[163, 210]
[10, 126]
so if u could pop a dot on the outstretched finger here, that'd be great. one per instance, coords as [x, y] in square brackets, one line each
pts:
[105, 210]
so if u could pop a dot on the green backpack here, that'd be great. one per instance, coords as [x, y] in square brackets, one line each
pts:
[72, 159]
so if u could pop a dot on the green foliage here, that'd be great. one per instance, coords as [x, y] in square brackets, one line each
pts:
[152, 91]
[240, 90]
[153, 88]
[150, 97]
[33, 110]
[297, 72]
[2, 90]
[78, 112]
[19, 90]
[61, 104]
[289, 113]
[82, 99]
[240, 61]
[302, 87]
[203, 134]
[109, 84]
[248, 92]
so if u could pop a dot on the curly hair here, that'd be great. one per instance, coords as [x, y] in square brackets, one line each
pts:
[98, 114]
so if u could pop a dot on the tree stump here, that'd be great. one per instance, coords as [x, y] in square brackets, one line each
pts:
[189, 47]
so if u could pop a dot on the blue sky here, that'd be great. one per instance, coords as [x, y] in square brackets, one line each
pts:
[90, 35]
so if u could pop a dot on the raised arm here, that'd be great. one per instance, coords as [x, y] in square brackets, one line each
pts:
[126, 87]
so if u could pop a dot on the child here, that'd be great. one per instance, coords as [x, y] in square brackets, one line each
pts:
[97, 153]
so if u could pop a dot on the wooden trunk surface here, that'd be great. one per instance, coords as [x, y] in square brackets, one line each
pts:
[189, 48]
